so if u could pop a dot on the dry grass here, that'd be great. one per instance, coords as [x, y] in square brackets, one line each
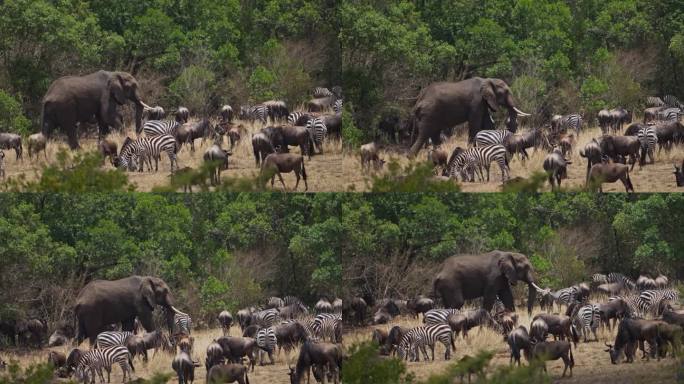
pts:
[592, 364]
[656, 177]
[325, 171]
[277, 373]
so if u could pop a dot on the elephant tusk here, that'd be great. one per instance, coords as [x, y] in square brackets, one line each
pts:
[537, 287]
[519, 112]
[145, 106]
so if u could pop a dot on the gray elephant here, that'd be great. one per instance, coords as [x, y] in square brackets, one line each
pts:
[103, 302]
[467, 277]
[77, 99]
[443, 105]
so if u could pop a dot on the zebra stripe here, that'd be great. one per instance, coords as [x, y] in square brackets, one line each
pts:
[637, 307]
[599, 278]
[587, 318]
[321, 92]
[672, 101]
[337, 106]
[652, 299]
[154, 128]
[572, 121]
[267, 342]
[289, 300]
[420, 337]
[626, 282]
[253, 113]
[267, 317]
[112, 338]
[439, 315]
[649, 139]
[669, 114]
[318, 131]
[491, 136]
[326, 326]
[97, 359]
[474, 159]
[298, 118]
[654, 101]
[182, 323]
[275, 302]
[147, 148]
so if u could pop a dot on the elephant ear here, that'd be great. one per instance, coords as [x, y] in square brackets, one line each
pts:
[488, 94]
[115, 89]
[508, 269]
[147, 292]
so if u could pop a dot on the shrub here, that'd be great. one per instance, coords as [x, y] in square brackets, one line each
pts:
[11, 115]
[412, 178]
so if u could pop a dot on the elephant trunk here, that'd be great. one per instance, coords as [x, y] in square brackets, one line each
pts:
[420, 141]
[531, 297]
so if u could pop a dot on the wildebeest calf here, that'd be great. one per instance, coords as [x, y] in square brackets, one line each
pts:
[36, 143]
[369, 154]
[609, 173]
[554, 350]
[285, 162]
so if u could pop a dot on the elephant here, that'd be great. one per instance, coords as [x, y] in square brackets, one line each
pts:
[443, 105]
[103, 302]
[467, 277]
[77, 99]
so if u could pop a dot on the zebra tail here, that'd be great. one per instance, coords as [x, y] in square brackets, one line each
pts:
[451, 338]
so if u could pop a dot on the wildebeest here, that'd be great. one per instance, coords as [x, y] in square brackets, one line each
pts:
[217, 160]
[184, 367]
[214, 355]
[592, 152]
[419, 305]
[262, 147]
[328, 357]
[679, 175]
[228, 373]
[278, 163]
[333, 123]
[71, 362]
[613, 310]
[199, 129]
[631, 332]
[11, 141]
[519, 340]
[620, 147]
[560, 326]
[359, 306]
[56, 359]
[554, 350]
[226, 113]
[182, 115]
[669, 334]
[108, 148]
[555, 165]
[609, 173]
[369, 154]
[36, 143]
[289, 335]
[226, 320]
[235, 348]
[538, 330]
[294, 135]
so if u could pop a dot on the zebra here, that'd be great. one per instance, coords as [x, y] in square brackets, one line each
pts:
[669, 114]
[97, 359]
[337, 106]
[626, 282]
[267, 342]
[182, 323]
[275, 302]
[565, 296]
[317, 131]
[635, 304]
[599, 278]
[648, 138]
[653, 298]
[672, 101]
[439, 315]
[253, 113]
[327, 326]
[267, 317]
[491, 136]
[321, 92]
[298, 118]
[111, 339]
[419, 337]
[471, 160]
[154, 128]
[289, 300]
[572, 121]
[587, 318]
[144, 149]
[654, 101]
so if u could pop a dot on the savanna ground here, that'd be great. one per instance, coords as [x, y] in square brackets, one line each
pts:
[161, 362]
[326, 172]
[592, 363]
[657, 177]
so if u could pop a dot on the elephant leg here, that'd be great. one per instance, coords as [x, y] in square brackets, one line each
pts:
[72, 134]
[422, 137]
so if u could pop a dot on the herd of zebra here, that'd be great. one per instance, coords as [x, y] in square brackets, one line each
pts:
[661, 127]
[279, 324]
[647, 302]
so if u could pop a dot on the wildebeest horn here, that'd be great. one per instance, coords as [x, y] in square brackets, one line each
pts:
[519, 112]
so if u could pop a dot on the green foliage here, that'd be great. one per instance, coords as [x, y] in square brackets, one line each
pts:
[34, 374]
[11, 117]
[364, 365]
[351, 135]
[262, 84]
[193, 88]
[412, 178]
[79, 172]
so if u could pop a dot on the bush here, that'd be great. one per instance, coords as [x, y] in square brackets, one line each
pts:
[11, 115]
[352, 137]
[412, 178]
[193, 89]
[262, 84]
[364, 366]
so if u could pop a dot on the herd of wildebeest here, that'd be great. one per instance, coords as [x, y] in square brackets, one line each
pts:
[641, 313]
[120, 320]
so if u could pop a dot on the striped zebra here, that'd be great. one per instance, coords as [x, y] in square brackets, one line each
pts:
[97, 359]
[439, 315]
[649, 139]
[472, 160]
[491, 136]
[599, 278]
[182, 323]
[109, 339]
[636, 306]
[267, 342]
[625, 281]
[328, 326]
[572, 121]
[267, 317]
[321, 92]
[298, 118]
[653, 298]
[654, 101]
[587, 318]
[420, 337]
[669, 114]
[253, 113]
[275, 302]
[144, 150]
[672, 101]
[154, 128]
[289, 300]
[565, 296]
[337, 106]
[317, 131]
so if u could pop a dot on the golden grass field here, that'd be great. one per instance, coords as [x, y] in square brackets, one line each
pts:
[592, 363]
[657, 177]
[270, 374]
[326, 172]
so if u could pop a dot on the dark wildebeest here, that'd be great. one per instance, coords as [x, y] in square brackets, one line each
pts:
[519, 340]
[619, 148]
[182, 115]
[631, 332]
[668, 132]
[226, 321]
[538, 330]
[199, 129]
[359, 306]
[328, 357]
[214, 355]
[393, 340]
[419, 305]
[228, 373]
[386, 311]
[11, 141]
[71, 363]
[217, 159]
[671, 334]
[633, 129]
[294, 135]
[556, 166]
[36, 143]
[289, 335]
[184, 367]
[519, 143]
[56, 359]
[673, 317]
[618, 117]
[379, 337]
[235, 348]
[609, 173]
[466, 320]
[226, 113]
[592, 152]
[333, 123]
[108, 148]
[613, 310]
[277, 163]
[560, 326]
[251, 330]
[554, 350]
[262, 147]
